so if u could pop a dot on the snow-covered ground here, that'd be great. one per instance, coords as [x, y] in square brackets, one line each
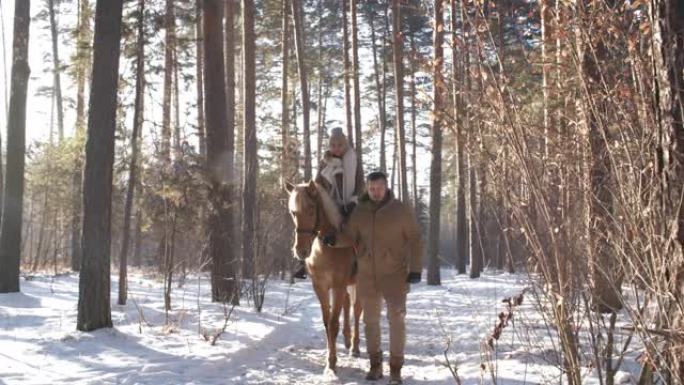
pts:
[284, 344]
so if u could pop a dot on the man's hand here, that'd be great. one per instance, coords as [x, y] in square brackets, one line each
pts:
[413, 277]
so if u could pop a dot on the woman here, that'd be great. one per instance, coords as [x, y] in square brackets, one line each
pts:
[339, 174]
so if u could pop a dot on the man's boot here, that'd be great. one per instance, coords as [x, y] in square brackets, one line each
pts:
[395, 370]
[375, 372]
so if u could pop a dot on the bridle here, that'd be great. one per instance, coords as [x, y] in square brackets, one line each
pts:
[314, 231]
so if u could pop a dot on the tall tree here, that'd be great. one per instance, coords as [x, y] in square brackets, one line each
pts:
[93, 302]
[379, 89]
[668, 23]
[229, 62]
[398, 48]
[5, 106]
[231, 271]
[595, 110]
[459, 77]
[433, 276]
[199, 56]
[56, 70]
[169, 48]
[285, 167]
[383, 132]
[139, 106]
[357, 87]
[249, 195]
[346, 72]
[219, 222]
[414, 128]
[300, 45]
[320, 124]
[10, 234]
[82, 64]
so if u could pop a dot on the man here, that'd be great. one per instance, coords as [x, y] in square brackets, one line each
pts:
[389, 252]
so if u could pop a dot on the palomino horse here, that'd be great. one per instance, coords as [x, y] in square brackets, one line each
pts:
[315, 214]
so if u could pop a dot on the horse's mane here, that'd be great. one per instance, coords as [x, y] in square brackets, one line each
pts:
[329, 207]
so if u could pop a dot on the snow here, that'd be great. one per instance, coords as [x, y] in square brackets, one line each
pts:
[284, 344]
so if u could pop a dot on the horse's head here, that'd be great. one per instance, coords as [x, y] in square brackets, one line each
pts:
[305, 211]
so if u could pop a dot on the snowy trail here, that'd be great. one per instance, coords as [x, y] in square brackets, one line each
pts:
[282, 345]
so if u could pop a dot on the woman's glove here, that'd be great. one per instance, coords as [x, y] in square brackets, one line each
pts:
[348, 208]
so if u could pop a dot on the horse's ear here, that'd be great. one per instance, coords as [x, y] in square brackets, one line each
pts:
[312, 187]
[288, 187]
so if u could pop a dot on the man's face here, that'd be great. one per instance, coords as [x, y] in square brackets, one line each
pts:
[377, 189]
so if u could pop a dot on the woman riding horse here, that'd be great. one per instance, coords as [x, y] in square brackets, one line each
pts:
[342, 178]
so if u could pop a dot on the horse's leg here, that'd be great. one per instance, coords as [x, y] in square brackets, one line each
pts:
[356, 304]
[323, 294]
[346, 330]
[337, 302]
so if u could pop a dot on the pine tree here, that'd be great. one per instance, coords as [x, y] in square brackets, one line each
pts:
[12, 213]
[249, 198]
[138, 119]
[82, 65]
[94, 284]
[433, 276]
[219, 224]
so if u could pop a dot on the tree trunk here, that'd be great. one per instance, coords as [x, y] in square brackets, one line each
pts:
[414, 114]
[83, 58]
[399, 93]
[300, 45]
[474, 230]
[169, 48]
[669, 67]
[223, 279]
[199, 54]
[382, 118]
[357, 87]
[137, 239]
[459, 78]
[286, 173]
[94, 284]
[594, 110]
[5, 106]
[57, 83]
[439, 87]
[177, 134]
[229, 59]
[10, 236]
[2, 180]
[133, 166]
[383, 128]
[346, 72]
[250, 139]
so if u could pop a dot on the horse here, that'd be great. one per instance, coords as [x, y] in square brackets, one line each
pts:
[330, 267]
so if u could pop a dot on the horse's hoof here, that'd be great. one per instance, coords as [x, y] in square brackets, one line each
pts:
[355, 353]
[330, 373]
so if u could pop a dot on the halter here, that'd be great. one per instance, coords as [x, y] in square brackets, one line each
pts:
[313, 232]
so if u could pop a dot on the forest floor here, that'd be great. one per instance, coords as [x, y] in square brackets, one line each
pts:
[284, 344]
